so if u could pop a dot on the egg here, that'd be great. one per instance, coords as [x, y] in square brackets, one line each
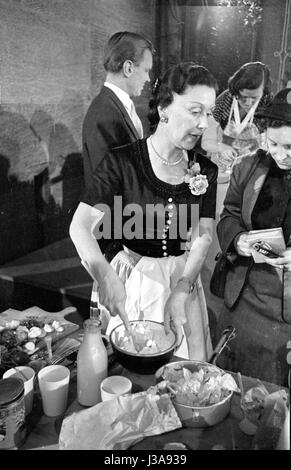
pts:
[30, 346]
[34, 332]
[56, 324]
[48, 328]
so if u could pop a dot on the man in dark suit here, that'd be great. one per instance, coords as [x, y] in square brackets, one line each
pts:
[111, 119]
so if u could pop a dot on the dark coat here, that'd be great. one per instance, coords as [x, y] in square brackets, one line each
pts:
[245, 186]
[106, 125]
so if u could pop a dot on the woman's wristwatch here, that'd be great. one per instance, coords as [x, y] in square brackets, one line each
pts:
[186, 284]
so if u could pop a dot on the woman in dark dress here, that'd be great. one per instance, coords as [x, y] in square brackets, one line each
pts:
[149, 194]
[258, 295]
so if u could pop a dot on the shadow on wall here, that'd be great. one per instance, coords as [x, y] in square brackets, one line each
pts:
[18, 221]
[61, 183]
[41, 178]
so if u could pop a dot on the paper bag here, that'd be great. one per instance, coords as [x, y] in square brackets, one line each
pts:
[116, 424]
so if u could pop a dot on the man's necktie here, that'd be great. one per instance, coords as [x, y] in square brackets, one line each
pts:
[136, 120]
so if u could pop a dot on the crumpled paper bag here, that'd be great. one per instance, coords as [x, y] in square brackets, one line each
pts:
[264, 415]
[271, 421]
[118, 423]
[253, 403]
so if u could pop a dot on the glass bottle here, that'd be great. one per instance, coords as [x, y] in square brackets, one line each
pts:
[92, 364]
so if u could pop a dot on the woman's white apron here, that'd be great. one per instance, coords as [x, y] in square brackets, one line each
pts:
[244, 135]
[148, 283]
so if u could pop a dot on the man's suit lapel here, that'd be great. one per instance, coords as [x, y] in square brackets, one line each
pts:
[253, 188]
[117, 103]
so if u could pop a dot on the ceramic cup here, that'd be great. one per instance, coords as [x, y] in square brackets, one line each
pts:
[53, 385]
[26, 374]
[114, 386]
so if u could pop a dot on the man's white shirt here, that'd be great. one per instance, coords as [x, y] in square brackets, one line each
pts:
[128, 104]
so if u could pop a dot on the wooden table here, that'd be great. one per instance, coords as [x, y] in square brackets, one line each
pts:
[43, 431]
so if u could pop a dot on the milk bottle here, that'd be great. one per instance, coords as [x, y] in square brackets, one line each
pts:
[92, 364]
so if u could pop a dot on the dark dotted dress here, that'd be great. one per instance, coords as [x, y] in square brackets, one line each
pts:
[126, 183]
[151, 218]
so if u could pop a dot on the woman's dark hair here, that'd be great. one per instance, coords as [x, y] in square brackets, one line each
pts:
[276, 123]
[124, 46]
[177, 79]
[249, 77]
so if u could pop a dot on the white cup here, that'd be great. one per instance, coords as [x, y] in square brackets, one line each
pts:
[26, 374]
[53, 385]
[114, 386]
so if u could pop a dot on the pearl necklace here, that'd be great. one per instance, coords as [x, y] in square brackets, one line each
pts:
[163, 160]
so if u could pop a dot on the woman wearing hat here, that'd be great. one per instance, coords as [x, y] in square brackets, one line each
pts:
[257, 296]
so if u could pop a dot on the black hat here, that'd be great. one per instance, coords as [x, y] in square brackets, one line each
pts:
[279, 108]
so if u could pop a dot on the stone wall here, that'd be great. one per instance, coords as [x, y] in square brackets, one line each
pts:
[51, 68]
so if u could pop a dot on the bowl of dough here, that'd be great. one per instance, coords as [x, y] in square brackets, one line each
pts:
[146, 349]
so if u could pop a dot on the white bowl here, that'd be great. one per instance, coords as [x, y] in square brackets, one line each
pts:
[115, 386]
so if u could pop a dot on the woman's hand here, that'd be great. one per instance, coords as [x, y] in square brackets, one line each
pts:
[175, 312]
[175, 308]
[242, 245]
[111, 289]
[226, 155]
[112, 295]
[283, 262]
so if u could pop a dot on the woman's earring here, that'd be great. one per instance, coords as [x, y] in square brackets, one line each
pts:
[164, 119]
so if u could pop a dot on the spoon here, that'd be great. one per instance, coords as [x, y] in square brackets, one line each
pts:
[138, 346]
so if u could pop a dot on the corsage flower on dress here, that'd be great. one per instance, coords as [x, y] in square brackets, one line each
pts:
[198, 183]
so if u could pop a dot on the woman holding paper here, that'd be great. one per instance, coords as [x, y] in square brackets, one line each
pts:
[234, 130]
[257, 296]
